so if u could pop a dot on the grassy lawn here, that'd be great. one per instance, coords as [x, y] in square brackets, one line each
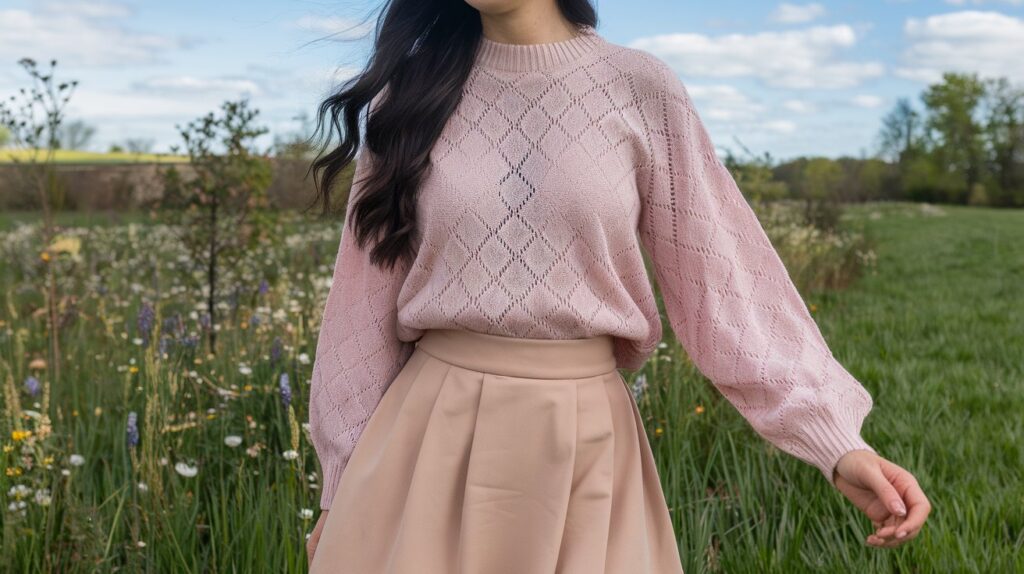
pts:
[935, 332]
[937, 336]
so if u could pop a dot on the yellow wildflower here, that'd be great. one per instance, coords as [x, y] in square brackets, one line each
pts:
[813, 307]
[133, 369]
[13, 471]
[658, 431]
[247, 387]
[70, 245]
[18, 435]
[699, 409]
[8, 447]
[44, 256]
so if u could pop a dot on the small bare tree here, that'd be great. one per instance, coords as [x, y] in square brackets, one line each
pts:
[219, 211]
[33, 120]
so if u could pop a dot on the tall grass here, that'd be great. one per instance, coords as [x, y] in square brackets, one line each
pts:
[935, 332]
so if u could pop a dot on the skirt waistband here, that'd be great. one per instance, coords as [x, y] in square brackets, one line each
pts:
[521, 356]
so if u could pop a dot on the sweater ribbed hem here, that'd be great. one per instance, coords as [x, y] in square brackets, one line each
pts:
[832, 441]
[525, 57]
[332, 474]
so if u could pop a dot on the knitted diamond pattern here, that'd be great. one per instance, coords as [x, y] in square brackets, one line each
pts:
[545, 189]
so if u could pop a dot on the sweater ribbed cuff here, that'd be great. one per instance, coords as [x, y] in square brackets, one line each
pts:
[332, 474]
[830, 442]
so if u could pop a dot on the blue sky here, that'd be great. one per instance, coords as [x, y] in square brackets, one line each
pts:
[788, 78]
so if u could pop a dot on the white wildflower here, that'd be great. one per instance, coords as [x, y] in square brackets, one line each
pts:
[232, 440]
[290, 454]
[76, 460]
[185, 470]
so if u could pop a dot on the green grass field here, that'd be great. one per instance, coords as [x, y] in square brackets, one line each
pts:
[937, 336]
[935, 332]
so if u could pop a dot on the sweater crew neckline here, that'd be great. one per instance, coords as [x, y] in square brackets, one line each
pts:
[526, 57]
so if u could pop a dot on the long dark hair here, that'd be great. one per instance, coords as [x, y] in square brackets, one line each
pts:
[423, 53]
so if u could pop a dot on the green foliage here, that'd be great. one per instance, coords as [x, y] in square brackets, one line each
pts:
[964, 147]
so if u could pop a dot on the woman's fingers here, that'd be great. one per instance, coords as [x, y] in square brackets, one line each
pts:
[875, 479]
[919, 509]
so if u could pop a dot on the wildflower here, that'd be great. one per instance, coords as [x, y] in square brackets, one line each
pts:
[17, 505]
[639, 386]
[306, 514]
[76, 460]
[244, 369]
[70, 245]
[254, 450]
[20, 435]
[37, 364]
[311, 477]
[140, 544]
[699, 409]
[286, 390]
[32, 386]
[304, 358]
[144, 321]
[658, 431]
[185, 470]
[813, 307]
[143, 487]
[290, 454]
[232, 440]
[276, 348]
[13, 471]
[133, 369]
[132, 430]
[264, 287]
[43, 497]
[65, 472]
[19, 491]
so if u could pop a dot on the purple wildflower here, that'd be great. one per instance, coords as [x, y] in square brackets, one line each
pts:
[144, 322]
[32, 386]
[276, 349]
[264, 287]
[286, 390]
[132, 430]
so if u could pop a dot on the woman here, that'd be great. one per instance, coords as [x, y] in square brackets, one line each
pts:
[465, 401]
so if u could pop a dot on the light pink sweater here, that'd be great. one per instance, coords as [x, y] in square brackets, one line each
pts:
[563, 163]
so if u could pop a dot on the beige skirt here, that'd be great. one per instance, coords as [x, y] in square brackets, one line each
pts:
[491, 455]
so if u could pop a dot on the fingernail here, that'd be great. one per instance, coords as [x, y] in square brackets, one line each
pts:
[901, 534]
[901, 509]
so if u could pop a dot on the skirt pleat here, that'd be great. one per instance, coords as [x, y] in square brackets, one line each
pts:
[477, 460]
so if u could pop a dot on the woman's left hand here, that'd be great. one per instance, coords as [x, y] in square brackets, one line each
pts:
[887, 493]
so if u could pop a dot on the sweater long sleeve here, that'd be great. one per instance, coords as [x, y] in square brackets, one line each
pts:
[729, 298]
[358, 351]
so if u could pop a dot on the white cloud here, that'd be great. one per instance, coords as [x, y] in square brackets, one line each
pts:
[800, 106]
[797, 13]
[866, 101]
[988, 43]
[800, 59]
[723, 103]
[79, 33]
[193, 85]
